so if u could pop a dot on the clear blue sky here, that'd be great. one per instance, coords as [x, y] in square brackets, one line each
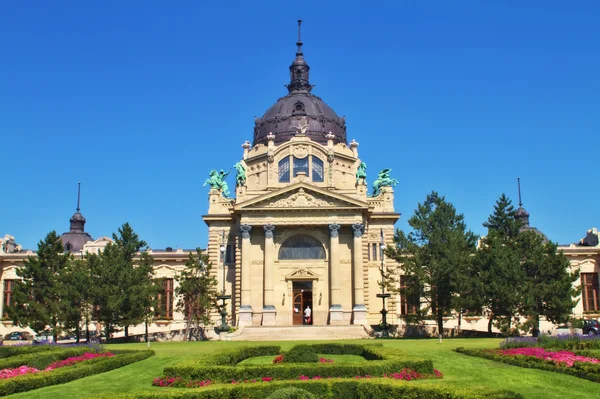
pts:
[140, 99]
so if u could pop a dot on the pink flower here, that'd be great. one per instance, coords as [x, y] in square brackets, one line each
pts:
[560, 357]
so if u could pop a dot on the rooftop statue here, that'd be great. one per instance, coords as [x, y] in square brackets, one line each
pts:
[383, 180]
[216, 180]
[240, 177]
[361, 173]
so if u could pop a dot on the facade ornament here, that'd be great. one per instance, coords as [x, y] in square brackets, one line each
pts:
[271, 136]
[330, 157]
[216, 180]
[334, 230]
[240, 176]
[245, 229]
[330, 136]
[383, 180]
[269, 230]
[358, 229]
[361, 173]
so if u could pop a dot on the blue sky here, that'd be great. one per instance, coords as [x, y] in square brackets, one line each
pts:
[138, 100]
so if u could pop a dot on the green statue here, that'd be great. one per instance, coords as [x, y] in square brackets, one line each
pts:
[383, 180]
[361, 173]
[217, 181]
[240, 177]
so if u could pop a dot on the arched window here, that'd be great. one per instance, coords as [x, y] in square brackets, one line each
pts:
[284, 170]
[300, 166]
[300, 247]
[317, 170]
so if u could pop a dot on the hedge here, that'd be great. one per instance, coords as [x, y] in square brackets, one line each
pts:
[220, 368]
[8, 351]
[588, 371]
[62, 375]
[327, 389]
[42, 359]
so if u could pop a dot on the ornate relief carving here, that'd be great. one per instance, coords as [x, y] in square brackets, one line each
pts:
[245, 229]
[300, 199]
[345, 261]
[302, 273]
[269, 229]
[300, 151]
[358, 229]
[304, 218]
[334, 230]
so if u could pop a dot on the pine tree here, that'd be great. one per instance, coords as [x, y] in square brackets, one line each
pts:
[549, 287]
[434, 255]
[197, 288]
[76, 298]
[500, 264]
[37, 297]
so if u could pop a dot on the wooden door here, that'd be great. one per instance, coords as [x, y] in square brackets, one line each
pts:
[297, 307]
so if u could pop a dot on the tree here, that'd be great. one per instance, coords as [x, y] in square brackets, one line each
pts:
[37, 297]
[548, 284]
[76, 298]
[499, 261]
[123, 291]
[434, 255]
[197, 288]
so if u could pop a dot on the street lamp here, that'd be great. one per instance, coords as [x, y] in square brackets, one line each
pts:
[223, 307]
[385, 333]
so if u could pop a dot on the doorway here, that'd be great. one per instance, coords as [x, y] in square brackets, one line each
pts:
[302, 299]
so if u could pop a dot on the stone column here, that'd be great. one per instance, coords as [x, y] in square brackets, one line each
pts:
[359, 310]
[269, 313]
[335, 309]
[245, 309]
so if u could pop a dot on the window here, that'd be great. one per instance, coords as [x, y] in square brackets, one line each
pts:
[229, 254]
[165, 299]
[284, 170]
[589, 283]
[409, 304]
[301, 246]
[300, 166]
[317, 170]
[7, 299]
[374, 251]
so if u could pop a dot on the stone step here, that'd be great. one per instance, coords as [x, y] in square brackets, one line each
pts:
[293, 333]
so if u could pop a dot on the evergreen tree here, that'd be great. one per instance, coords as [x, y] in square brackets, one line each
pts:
[434, 255]
[37, 297]
[197, 288]
[500, 263]
[549, 287]
[123, 291]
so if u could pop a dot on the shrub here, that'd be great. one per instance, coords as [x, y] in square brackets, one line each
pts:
[561, 341]
[42, 359]
[346, 389]
[62, 375]
[231, 357]
[9, 351]
[301, 354]
[291, 393]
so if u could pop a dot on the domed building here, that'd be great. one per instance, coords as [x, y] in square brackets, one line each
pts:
[302, 231]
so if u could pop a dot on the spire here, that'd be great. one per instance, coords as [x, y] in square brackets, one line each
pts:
[299, 69]
[77, 220]
[521, 214]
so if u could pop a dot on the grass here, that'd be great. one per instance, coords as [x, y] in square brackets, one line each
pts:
[337, 359]
[459, 370]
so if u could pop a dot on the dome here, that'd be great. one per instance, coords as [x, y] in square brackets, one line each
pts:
[76, 237]
[300, 112]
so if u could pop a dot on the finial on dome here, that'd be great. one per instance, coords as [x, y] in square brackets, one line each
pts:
[519, 184]
[78, 194]
[521, 214]
[299, 42]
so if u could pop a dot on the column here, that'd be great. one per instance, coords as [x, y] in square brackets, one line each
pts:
[269, 312]
[245, 309]
[335, 309]
[359, 310]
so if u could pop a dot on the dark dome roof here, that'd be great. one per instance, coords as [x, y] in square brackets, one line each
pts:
[300, 112]
[76, 237]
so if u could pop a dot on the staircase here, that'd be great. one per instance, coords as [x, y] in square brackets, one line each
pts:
[293, 333]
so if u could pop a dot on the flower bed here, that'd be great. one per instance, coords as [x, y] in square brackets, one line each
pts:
[222, 367]
[557, 361]
[561, 341]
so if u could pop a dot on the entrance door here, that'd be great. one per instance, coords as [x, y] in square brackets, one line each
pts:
[302, 300]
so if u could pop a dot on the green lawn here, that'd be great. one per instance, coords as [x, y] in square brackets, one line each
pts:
[337, 359]
[459, 370]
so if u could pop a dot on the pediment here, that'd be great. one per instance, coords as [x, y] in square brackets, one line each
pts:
[302, 196]
[300, 274]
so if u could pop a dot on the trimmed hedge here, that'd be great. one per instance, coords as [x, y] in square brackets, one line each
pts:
[588, 371]
[301, 354]
[62, 375]
[9, 351]
[291, 393]
[325, 389]
[220, 368]
[41, 360]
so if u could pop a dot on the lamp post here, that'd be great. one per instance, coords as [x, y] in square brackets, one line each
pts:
[223, 308]
[385, 333]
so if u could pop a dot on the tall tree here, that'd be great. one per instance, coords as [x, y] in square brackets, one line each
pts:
[37, 297]
[499, 260]
[434, 254]
[123, 287]
[76, 299]
[549, 281]
[197, 289]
